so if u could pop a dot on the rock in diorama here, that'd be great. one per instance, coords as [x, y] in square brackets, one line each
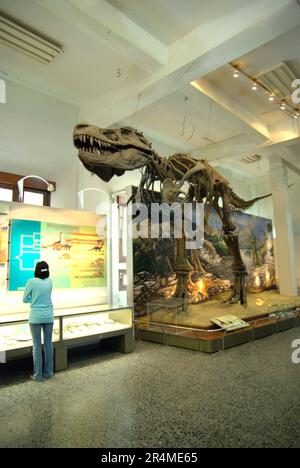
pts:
[111, 152]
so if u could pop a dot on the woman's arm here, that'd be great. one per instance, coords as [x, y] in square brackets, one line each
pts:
[27, 293]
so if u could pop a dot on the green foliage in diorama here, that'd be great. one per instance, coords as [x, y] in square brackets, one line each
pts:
[218, 242]
[153, 255]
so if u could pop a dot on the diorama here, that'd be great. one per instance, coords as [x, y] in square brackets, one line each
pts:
[231, 279]
[211, 276]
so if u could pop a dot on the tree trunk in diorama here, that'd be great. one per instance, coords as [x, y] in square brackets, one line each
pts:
[181, 269]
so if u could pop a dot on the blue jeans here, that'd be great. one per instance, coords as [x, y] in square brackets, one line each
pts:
[41, 371]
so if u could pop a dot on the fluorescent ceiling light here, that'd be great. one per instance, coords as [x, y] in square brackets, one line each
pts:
[25, 40]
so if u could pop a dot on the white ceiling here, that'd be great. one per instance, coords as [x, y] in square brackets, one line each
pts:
[169, 20]
[159, 45]
[187, 120]
[87, 68]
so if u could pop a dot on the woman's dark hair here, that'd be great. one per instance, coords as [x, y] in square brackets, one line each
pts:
[42, 270]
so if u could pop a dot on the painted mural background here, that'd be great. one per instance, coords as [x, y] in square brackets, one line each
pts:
[154, 262]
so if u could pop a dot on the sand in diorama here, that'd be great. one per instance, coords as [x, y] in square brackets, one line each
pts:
[199, 315]
[211, 274]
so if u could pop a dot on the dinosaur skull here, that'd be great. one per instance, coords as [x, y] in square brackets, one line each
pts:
[109, 152]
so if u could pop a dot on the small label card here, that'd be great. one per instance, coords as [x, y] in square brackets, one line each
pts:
[230, 322]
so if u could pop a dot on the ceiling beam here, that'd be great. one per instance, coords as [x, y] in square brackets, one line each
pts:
[232, 105]
[200, 52]
[291, 167]
[291, 160]
[128, 31]
[229, 149]
[104, 23]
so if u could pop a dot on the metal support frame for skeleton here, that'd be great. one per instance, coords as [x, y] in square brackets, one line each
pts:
[110, 152]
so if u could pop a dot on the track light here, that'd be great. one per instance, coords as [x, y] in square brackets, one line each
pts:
[257, 84]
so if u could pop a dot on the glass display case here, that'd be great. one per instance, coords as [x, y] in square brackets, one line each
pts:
[72, 326]
[16, 335]
[89, 323]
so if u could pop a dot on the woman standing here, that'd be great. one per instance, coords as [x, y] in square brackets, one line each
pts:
[38, 294]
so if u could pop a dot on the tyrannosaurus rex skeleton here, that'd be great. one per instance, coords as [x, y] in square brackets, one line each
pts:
[110, 152]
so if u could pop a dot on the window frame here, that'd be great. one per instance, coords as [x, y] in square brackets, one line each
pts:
[10, 181]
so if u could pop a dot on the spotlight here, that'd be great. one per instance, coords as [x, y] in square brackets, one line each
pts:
[282, 106]
[296, 116]
[271, 97]
[254, 86]
[236, 73]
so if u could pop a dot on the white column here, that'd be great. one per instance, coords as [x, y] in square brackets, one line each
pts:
[285, 245]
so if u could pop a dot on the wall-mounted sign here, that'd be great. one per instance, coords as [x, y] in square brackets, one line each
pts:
[76, 254]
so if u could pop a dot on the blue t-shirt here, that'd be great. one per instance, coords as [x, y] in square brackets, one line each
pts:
[38, 295]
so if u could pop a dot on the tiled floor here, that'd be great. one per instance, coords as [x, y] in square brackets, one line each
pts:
[158, 397]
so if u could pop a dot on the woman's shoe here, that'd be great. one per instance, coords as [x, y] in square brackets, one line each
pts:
[36, 380]
[48, 377]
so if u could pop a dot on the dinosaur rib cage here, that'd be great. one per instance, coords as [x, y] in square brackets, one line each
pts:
[201, 185]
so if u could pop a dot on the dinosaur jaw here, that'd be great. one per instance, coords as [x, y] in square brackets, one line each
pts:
[108, 155]
[108, 164]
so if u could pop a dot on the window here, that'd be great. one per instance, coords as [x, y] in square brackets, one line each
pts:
[33, 198]
[6, 194]
[35, 191]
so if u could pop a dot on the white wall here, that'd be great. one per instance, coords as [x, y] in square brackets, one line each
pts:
[36, 138]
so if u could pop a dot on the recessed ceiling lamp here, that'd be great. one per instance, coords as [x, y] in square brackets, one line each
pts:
[23, 39]
[254, 86]
[271, 97]
[296, 116]
[283, 106]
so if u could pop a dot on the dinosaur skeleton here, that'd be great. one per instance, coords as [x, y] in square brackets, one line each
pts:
[111, 152]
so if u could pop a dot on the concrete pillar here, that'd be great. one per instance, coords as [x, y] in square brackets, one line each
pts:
[285, 245]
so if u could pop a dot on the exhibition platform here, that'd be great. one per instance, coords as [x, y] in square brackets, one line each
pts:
[192, 328]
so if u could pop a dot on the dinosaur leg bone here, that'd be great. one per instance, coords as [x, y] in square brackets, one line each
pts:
[239, 293]
[182, 269]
